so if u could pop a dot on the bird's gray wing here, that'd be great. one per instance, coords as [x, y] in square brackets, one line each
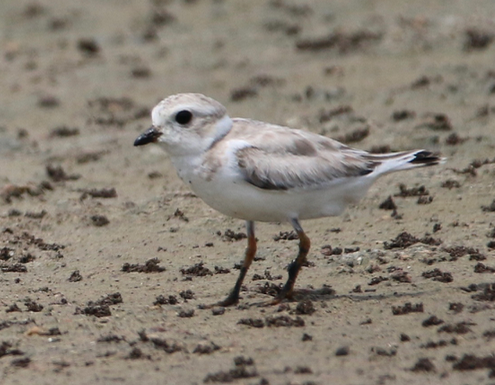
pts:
[300, 159]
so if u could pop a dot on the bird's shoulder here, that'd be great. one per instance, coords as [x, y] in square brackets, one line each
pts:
[273, 138]
[275, 157]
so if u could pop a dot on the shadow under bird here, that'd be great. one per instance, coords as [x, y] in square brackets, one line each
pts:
[258, 171]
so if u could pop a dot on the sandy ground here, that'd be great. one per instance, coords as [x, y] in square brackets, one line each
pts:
[102, 286]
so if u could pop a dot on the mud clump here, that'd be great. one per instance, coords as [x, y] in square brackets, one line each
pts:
[75, 276]
[477, 40]
[64, 132]
[341, 41]
[88, 46]
[97, 310]
[399, 115]
[99, 220]
[488, 293]
[206, 348]
[243, 368]
[473, 362]
[438, 275]
[456, 307]
[98, 193]
[231, 236]
[252, 322]
[58, 174]
[6, 350]
[284, 321]
[166, 346]
[436, 122]
[458, 328]
[286, 236]
[14, 268]
[423, 365]
[305, 307]
[101, 308]
[21, 362]
[187, 294]
[376, 280]
[269, 288]
[459, 251]
[342, 351]
[411, 192]
[490, 208]
[407, 308]
[266, 275]
[116, 112]
[438, 344]
[354, 136]
[150, 266]
[162, 300]
[238, 94]
[197, 270]
[388, 204]
[404, 240]
[450, 184]
[186, 313]
[136, 354]
[432, 321]
[454, 139]
[482, 268]
[33, 306]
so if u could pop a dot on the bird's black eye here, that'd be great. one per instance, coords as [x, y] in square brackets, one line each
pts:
[183, 117]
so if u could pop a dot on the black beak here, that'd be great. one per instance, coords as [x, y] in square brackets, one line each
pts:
[149, 136]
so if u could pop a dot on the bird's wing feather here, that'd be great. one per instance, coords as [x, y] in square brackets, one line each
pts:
[283, 159]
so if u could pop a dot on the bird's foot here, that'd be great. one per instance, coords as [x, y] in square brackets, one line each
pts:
[231, 300]
[281, 297]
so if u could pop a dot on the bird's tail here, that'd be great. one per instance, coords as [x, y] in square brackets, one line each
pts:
[406, 160]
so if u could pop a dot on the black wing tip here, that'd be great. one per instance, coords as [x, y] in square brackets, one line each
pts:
[427, 158]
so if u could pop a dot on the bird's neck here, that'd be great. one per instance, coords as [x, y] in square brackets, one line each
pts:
[222, 128]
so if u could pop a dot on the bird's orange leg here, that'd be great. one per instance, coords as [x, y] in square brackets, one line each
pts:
[233, 297]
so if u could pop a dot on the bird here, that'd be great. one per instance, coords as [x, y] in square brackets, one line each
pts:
[262, 172]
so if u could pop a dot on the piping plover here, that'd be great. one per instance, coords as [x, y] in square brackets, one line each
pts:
[263, 172]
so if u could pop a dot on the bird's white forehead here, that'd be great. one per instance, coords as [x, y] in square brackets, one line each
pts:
[197, 104]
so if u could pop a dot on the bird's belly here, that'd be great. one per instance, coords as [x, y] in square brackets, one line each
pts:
[239, 199]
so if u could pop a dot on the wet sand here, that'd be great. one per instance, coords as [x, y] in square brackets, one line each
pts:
[106, 256]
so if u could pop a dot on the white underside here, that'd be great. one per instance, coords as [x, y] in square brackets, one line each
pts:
[245, 201]
[226, 190]
[229, 194]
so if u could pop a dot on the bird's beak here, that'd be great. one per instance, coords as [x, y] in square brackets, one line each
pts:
[151, 135]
